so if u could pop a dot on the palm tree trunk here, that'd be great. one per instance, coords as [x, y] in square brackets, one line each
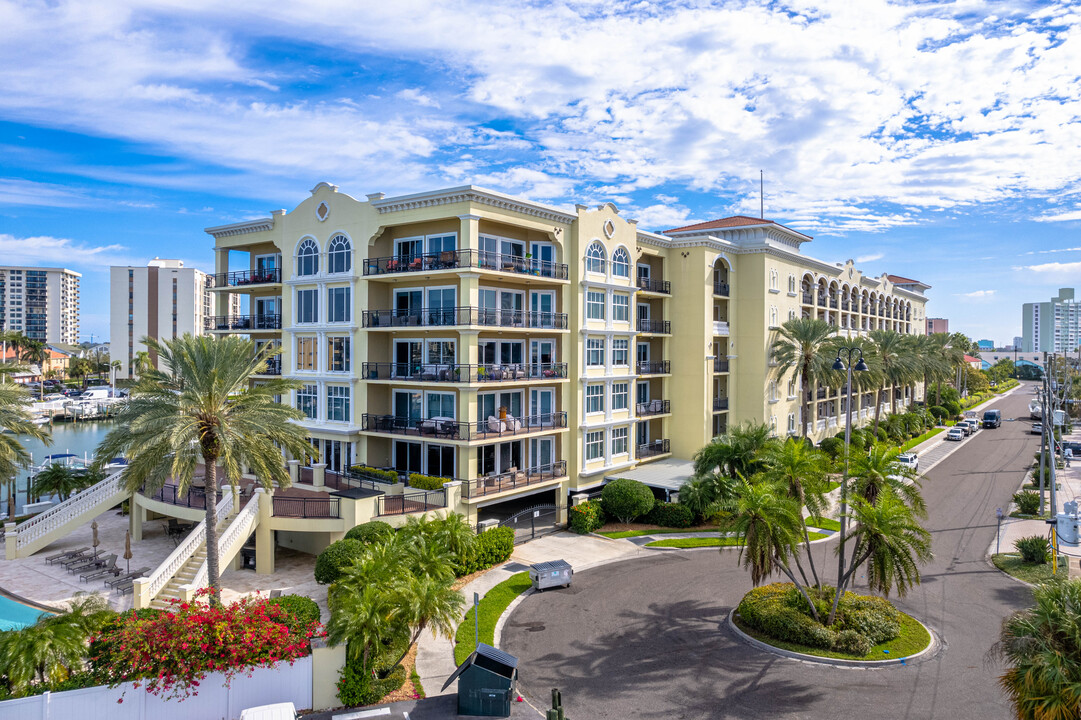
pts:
[893, 399]
[810, 558]
[878, 407]
[212, 529]
[806, 403]
[802, 590]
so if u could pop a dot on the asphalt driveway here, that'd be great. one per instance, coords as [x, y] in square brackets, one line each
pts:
[645, 638]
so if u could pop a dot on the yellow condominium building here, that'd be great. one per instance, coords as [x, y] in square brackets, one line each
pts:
[524, 353]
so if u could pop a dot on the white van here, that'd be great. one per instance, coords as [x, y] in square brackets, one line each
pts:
[96, 393]
[277, 711]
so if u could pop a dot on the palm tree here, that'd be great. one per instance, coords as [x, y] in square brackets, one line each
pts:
[429, 602]
[1042, 647]
[736, 453]
[58, 480]
[797, 347]
[879, 473]
[894, 360]
[16, 421]
[891, 542]
[206, 411]
[802, 471]
[705, 494]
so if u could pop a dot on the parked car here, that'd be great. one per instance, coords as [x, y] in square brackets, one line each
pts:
[992, 418]
[277, 711]
[964, 427]
[1037, 428]
[909, 460]
[955, 433]
[973, 424]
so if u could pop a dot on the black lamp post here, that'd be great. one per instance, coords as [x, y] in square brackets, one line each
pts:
[860, 366]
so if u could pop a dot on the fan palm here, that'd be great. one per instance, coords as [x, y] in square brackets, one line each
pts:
[1042, 646]
[15, 421]
[58, 480]
[892, 543]
[797, 347]
[802, 471]
[206, 411]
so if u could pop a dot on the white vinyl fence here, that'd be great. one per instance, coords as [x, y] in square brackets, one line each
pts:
[214, 701]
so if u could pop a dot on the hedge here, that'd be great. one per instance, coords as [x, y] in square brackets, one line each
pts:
[333, 561]
[587, 517]
[426, 482]
[368, 533]
[489, 548]
[303, 609]
[834, 447]
[389, 476]
[356, 687]
[627, 499]
[671, 515]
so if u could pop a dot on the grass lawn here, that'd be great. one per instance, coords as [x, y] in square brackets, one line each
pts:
[491, 607]
[921, 438]
[832, 486]
[913, 638]
[823, 523]
[710, 542]
[1011, 564]
[1019, 514]
[616, 535]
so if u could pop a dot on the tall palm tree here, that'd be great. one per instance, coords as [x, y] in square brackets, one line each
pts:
[797, 348]
[58, 480]
[429, 602]
[895, 363]
[206, 411]
[879, 473]
[736, 453]
[891, 542]
[802, 471]
[1042, 647]
[16, 421]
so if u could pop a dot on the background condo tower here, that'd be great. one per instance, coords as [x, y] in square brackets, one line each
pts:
[42, 303]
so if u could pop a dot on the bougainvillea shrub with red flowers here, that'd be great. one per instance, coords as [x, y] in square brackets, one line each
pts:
[170, 652]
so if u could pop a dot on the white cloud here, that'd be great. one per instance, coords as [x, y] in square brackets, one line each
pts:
[870, 258]
[1053, 250]
[1060, 217]
[977, 294]
[62, 252]
[416, 96]
[1054, 270]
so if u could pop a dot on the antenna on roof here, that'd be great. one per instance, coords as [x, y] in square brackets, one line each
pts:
[761, 196]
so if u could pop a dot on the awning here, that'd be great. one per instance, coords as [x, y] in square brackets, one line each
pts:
[668, 474]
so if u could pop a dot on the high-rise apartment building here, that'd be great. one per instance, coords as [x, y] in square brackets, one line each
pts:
[163, 300]
[42, 303]
[1053, 326]
[527, 350]
[937, 325]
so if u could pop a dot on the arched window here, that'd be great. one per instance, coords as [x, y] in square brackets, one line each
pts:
[773, 316]
[621, 263]
[792, 284]
[307, 258]
[773, 279]
[339, 255]
[595, 258]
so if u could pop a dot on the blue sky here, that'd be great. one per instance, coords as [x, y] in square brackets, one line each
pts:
[935, 140]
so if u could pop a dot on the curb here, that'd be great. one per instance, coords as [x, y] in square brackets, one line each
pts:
[831, 536]
[925, 654]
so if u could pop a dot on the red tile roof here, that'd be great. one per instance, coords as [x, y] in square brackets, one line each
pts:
[729, 222]
[970, 359]
[898, 280]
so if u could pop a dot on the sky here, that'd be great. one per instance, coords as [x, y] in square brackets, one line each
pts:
[936, 140]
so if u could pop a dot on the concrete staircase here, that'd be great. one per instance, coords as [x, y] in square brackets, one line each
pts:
[26, 538]
[184, 576]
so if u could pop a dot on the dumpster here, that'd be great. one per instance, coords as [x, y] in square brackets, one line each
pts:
[486, 682]
[556, 573]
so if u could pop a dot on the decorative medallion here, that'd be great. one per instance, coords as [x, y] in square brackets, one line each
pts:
[322, 212]
[609, 228]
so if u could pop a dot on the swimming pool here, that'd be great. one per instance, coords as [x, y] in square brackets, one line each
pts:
[15, 615]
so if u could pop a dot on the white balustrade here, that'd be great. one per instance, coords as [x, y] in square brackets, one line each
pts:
[158, 579]
[237, 532]
[72, 508]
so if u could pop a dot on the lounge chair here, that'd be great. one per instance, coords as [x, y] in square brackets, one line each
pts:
[106, 563]
[126, 576]
[104, 572]
[66, 555]
[126, 584]
[78, 559]
[95, 561]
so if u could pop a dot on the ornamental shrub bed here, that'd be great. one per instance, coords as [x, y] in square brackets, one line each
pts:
[375, 531]
[1034, 549]
[426, 482]
[671, 515]
[781, 612]
[332, 562]
[491, 547]
[301, 611]
[388, 476]
[1028, 502]
[356, 687]
[587, 517]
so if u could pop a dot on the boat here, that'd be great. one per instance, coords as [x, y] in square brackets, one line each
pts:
[69, 460]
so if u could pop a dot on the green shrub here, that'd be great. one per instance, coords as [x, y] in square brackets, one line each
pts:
[939, 413]
[953, 408]
[872, 617]
[671, 515]
[389, 476]
[357, 686]
[1028, 502]
[834, 447]
[850, 641]
[586, 518]
[491, 547]
[333, 561]
[370, 533]
[626, 499]
[1034, 549]
[858, 440]
[303, 610]
[426, 482]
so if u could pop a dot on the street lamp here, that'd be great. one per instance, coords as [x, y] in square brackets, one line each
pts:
[860, 366]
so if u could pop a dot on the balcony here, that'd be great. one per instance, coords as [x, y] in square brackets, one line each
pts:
[720, 327]
[306, 507]
[653, 407]
[455, 373]
[833, 303]
[463, 316]
[808, 299]
[655, 286]
[455, 259]
[415, 502]
[822, 301]
[273, 367]
[720, 404]
[513, 480]
[451, 429]
[720, 366]
[661, 367]
[720, 288]
[193, 498]
[243, 278]
[662, 327]
[653, 449]
[248, 323]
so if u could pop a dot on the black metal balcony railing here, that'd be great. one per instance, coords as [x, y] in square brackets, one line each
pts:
[450, 259]
[653, 407]
[808, 299]
[243, 322]
[655, 447]
[844, 305]
[240, 278]
[496, 427]
[822, 300]
[720, 288]
[720, 403]
[833, 303]
[297, 507]
[273, 367]
[654, 326]
[513, 479]
[450, 429]
[452, 372]
[465, 315]
[720, 366]
[193, 498]
[653, 285]
[414, 502]
[659, 367]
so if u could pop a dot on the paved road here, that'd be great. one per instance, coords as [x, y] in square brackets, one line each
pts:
[645, 638]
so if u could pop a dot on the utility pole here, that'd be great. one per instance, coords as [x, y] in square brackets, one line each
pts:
[1050, 410]
[1043, 435]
